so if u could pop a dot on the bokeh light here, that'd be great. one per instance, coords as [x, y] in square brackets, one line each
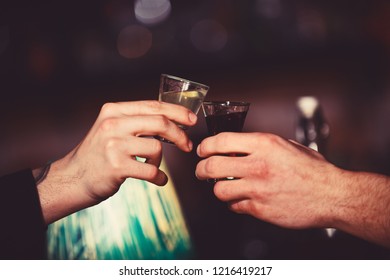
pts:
[59, 62]
[152, 11]
[134, 41]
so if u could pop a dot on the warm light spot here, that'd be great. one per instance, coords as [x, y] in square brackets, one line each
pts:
[134, 41]
[308, 105]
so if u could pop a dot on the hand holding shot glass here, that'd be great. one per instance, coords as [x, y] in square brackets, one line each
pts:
[182, 92]
[224, 116]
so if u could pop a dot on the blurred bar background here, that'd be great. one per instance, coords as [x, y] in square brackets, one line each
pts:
[61, 60]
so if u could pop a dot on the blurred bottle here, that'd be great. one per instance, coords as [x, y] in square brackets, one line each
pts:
[312, 130]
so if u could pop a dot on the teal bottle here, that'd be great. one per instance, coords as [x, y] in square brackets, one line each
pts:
[142, 221]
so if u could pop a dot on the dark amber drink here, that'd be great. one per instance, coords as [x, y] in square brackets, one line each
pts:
[224, 116]
[232, 122]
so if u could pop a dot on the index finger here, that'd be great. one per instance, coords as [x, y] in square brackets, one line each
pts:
[226, 143]
[173, 112]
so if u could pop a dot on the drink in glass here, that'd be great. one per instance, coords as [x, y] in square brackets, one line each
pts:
[182, 92]
[224, 116]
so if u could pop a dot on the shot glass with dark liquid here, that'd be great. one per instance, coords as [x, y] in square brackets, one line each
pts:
[182, 92]
[224, 116]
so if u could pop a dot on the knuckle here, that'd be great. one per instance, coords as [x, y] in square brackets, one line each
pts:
[270, 139]
[108, 124]
[113, 163]
[181, 135]
[258, 138]
[204, 147]
[222, 139]
[108, 109]
[163, 123]
[241, 206]
[111, 144]
[154, 105]
[210, 166]
[251, 207]
[156, 146]
[258, 168]
[264, 140]
[238, 207]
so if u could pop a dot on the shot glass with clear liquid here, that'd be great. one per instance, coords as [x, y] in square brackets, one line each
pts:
[224, 116]
[182, 92]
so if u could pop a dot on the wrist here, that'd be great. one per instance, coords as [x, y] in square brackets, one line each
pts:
[338, 194]
[60, 191]
[363, 206]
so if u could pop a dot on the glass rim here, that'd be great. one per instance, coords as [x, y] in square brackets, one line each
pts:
[227, 103]
[184, 80]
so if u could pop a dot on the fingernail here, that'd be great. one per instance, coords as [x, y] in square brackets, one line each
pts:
[198, 150]
[192, 117]
[190, 145]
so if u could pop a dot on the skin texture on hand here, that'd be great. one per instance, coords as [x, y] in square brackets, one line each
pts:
[97, 167]
[287, 184]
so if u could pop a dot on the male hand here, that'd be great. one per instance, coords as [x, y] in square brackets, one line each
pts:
[276, 180]
[96, 168]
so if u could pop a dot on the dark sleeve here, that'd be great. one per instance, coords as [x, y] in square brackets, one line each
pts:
[22, 228]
